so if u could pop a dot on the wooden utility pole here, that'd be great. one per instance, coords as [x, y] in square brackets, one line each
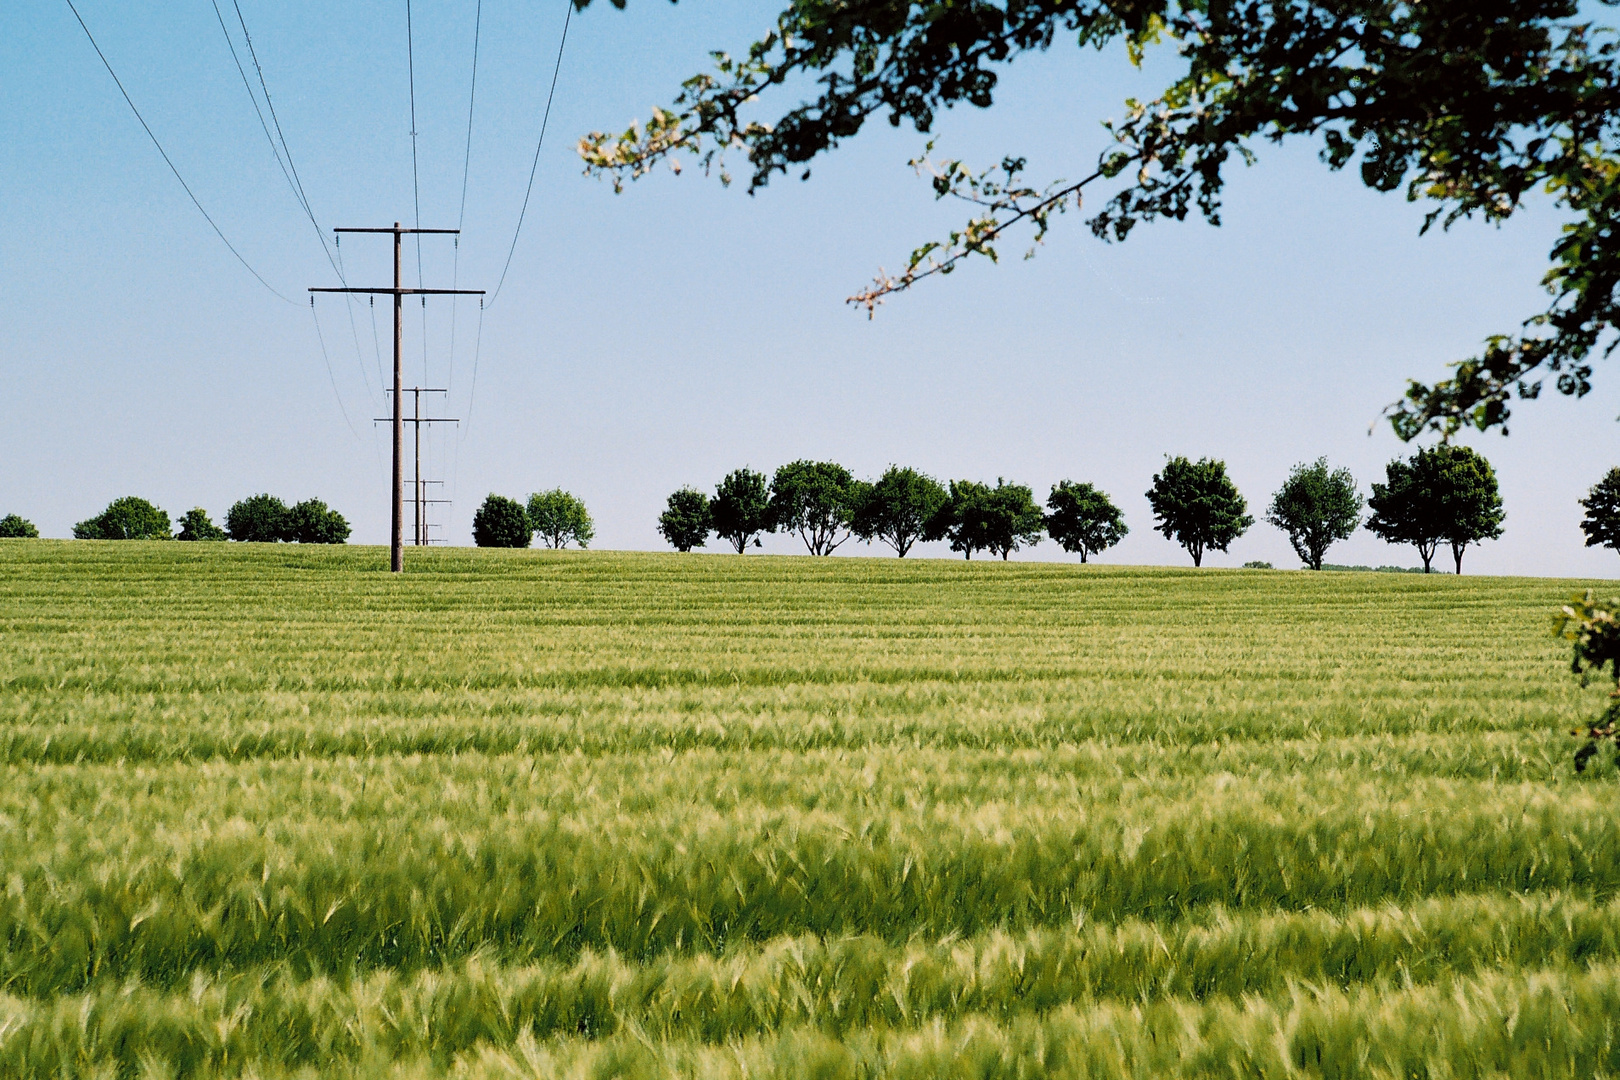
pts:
[419, 529]
[397, 545]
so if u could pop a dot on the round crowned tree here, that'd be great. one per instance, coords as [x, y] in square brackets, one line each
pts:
[685, 522]
[1198, 506]
[501, 522]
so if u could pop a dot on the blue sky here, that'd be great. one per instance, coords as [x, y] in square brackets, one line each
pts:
[666, 335]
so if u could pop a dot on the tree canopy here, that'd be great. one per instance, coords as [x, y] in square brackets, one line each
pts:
[1601, 523]
[741, 508]
[1444, 494]
[897, 508]
[1082, 519]
[1197, 505]
[960, 519]
[559, 518]
[817, 501]
[501, 522]
[257, 519]
[1315, 507]
[1010, 520]
[195, 524]
[685, 522]
[313, 522]
[16, 527]
[128, 518]
[1466, 106]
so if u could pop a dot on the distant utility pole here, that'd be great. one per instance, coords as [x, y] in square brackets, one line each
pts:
[397, 545]
[421, 499]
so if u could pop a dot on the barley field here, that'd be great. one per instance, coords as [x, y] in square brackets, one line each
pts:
[271, 812]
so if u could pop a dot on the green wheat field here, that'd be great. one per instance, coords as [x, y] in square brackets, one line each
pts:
[272, 812]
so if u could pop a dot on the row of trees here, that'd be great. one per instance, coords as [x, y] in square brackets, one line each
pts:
[1446, 494]
[555, 516]
[257, 519]
[823, 504]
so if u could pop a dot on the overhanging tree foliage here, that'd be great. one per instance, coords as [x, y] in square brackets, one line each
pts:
[1464, 105]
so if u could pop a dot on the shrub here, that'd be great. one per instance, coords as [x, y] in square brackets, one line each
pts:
[13, 527]
[313, 522]
[257, 519]
[196, 525]
[501, 522]
[129, 518]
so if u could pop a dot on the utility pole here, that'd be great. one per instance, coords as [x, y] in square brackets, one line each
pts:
[419, 535]
[397, 543]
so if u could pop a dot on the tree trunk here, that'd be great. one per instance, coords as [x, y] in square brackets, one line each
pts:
[1082, 556]
[1457, 553]
[1197, 554]
[1005, 551]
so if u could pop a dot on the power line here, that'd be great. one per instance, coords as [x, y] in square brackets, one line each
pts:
[324, 356]
[544, 120]
[297, 181]
[466, 171]
[166, 159]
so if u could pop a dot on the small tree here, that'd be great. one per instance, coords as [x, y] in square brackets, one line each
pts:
[1011, 519]
[1315, 507]
[817, 501]
[313, 522]
[961, 520]
[1444, 494]
[257, 519]
[1602, 521]
[13, 527]
[897, 508]
[195, 524]
[741, 508]
[685, 524]
[1198, 506]
[1083, 519]
[501, 522]
[558, 518]
[129, 518]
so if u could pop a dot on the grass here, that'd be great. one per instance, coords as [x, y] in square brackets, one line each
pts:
[272, 812]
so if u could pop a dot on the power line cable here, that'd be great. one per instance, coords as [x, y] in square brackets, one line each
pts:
[324, 356]
[289, 170]
[166, 159]
[297, 181]
[416, 183]
[544, 120]
[466, 171]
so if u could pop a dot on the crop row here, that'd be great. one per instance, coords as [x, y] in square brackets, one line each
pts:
[175, 806]
[602, 1018]
[969, 713]
[89, 902]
